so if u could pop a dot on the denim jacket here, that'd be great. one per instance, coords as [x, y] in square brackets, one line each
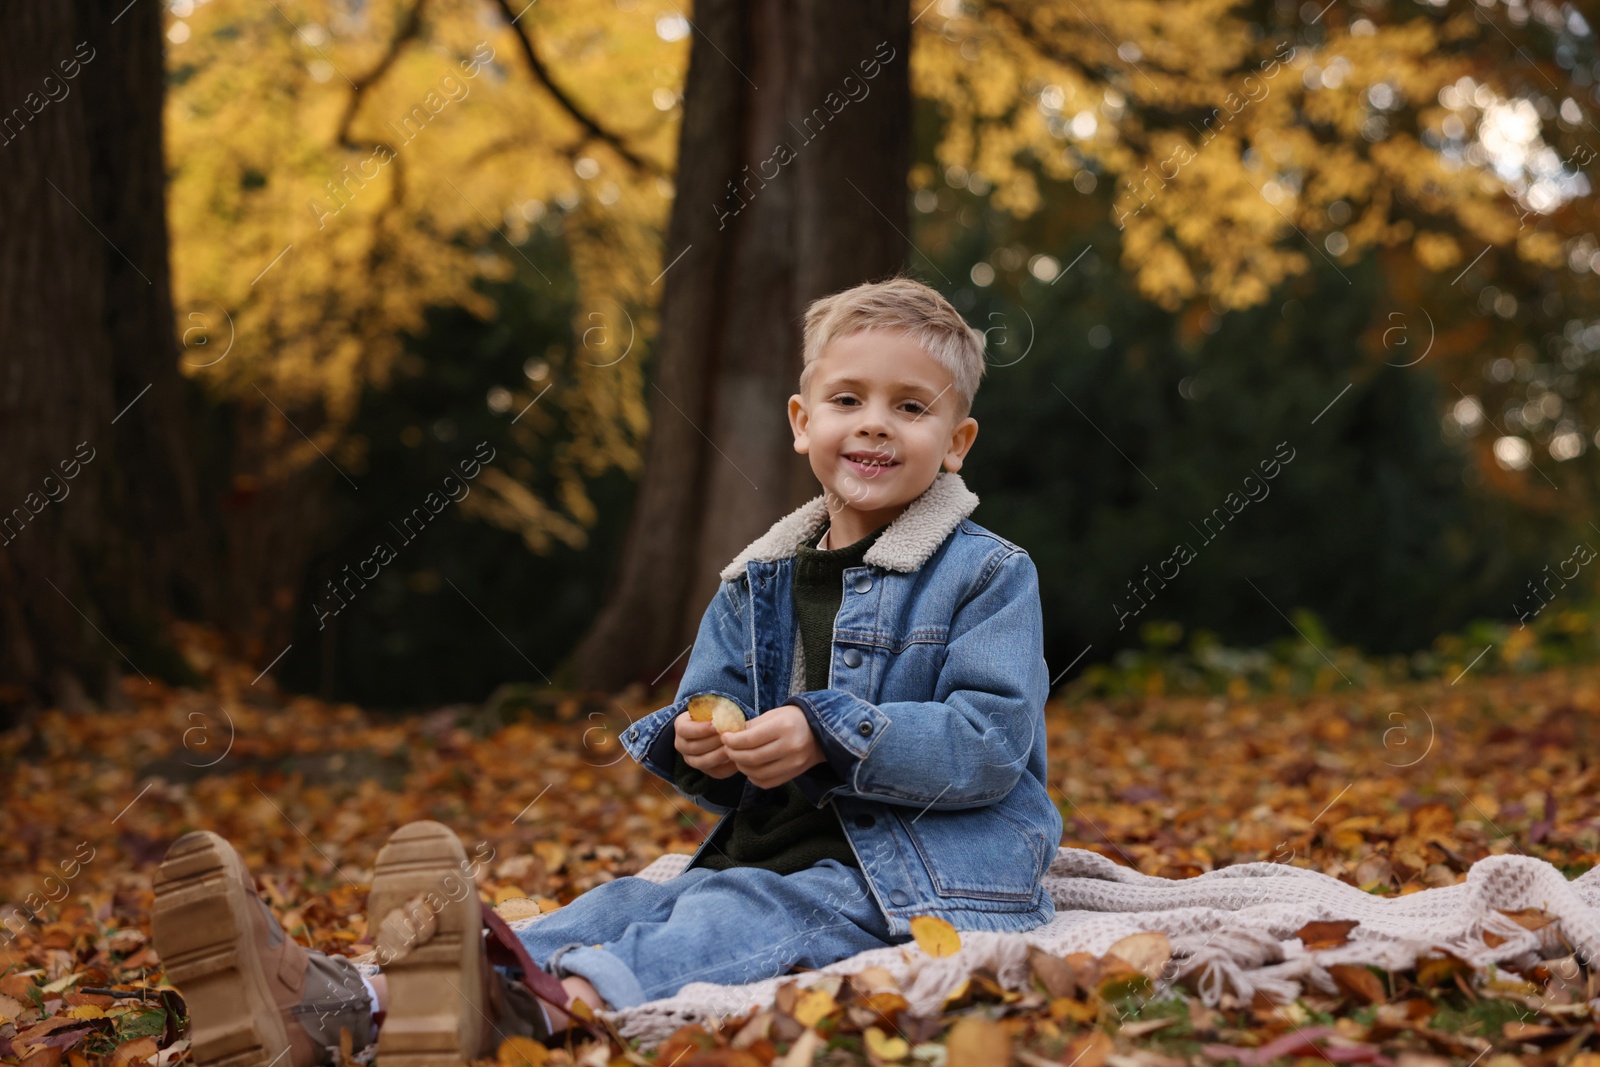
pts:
[933, 719]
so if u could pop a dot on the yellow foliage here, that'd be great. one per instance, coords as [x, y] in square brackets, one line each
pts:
[1227, 146]
[328, 184]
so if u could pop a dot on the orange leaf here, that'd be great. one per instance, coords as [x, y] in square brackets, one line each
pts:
[522, 1052]
[1315, 935]
[136, 1051]
[1088, 1050]
[1358, 983]
[975, 1041]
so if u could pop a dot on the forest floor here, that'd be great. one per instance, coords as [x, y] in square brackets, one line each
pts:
[1392, 790]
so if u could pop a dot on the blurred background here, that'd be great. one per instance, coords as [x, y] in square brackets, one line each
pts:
[408, 350]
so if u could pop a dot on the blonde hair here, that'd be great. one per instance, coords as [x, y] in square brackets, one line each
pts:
[905, 304]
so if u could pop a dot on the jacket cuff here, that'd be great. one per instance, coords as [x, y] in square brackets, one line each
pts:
[846, 728]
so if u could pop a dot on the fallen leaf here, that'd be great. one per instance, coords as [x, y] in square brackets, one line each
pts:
[801, 1053]
[975, 1041]
[1086, 1050]
[1318, 935]
[513, 908]
[1052, 972]
[1431, 972]
[522, 1052]
[871, 980]
[935, 936]
[813, 1005]
[136, 1051]
[1529, 918]
[881, 1048]
[1358, 983]
[1148, 953]
[1141, 1027]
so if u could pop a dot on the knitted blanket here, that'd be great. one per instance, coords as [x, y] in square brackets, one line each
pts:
[1233, 929]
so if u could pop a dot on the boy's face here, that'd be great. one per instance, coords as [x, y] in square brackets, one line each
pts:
[878, 420]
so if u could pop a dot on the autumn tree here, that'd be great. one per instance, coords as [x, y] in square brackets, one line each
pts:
[791, 185]
[104, 534]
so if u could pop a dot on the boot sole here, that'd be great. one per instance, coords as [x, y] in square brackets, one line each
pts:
[436, 1011]
[201, 928]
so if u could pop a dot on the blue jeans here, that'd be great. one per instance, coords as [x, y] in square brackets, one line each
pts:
[636, 940]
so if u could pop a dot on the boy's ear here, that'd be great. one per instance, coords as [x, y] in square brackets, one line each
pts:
[798, 421]
[961, 438]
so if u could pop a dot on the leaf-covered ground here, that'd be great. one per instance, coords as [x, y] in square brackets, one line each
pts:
[1391, 789]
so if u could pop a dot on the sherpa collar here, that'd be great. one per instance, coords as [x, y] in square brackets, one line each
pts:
[905, 545]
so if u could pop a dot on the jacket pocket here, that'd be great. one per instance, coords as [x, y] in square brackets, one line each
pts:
[976, 852]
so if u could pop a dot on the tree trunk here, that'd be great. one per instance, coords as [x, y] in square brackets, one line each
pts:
[762, 230]
[102, 534]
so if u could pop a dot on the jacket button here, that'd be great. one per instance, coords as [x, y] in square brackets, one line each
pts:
[863, 583]
[898, 898]
[866, 822]
[633, 735]
[865, 729]
[852, 657]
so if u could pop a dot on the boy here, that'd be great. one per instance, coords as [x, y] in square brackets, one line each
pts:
[886, 654]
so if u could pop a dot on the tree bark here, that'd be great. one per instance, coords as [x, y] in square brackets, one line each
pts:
[102, 531]
[791, 184]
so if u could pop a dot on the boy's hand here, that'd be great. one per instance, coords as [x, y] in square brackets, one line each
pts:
[773, 747]
[701, 747]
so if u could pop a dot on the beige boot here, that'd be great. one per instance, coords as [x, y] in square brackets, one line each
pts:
[447, 1003]
[423, 912]
[256, 998]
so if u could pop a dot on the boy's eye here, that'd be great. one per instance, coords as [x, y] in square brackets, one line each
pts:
[844, 398]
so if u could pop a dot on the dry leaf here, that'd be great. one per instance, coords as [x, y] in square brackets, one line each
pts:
[881, 1048]
[136, 1051]
[871, 980]
[977, 1042]
[522, 1052]
[513, 908]
[1087, 1050]
[1148, 953]
[935, 936]
[1358, 983]
[1317, 935]
[801, 1053]
[719, 711]
[813, 1005]
[1052, 972]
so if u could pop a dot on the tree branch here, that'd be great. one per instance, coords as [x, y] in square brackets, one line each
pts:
[542, 75]
[408, 29]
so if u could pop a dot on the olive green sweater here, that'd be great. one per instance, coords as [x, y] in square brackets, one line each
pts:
[782, 831]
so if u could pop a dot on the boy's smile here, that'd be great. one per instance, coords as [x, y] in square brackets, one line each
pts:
[879, 420]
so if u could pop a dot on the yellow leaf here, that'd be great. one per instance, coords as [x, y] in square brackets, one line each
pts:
[510, 905]
[522, 1052]
[85, 1011]
[883, 1048]
[935, 936]
[977, 1042]
[721, 712]
[813, 1005]
[1148, 952]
